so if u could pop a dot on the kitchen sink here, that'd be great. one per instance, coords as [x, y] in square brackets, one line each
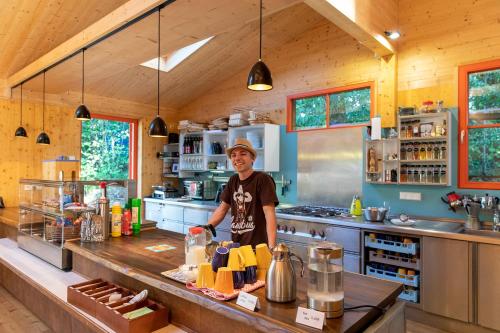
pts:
[482, 232]
[438, 226]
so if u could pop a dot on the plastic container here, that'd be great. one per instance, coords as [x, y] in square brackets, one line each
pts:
[116, 220]
[127, 223]
[136, 216]
[195, 244]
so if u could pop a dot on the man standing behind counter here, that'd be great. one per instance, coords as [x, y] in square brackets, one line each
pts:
[251, 195]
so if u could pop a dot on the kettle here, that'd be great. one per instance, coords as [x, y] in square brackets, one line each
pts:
[281, 283]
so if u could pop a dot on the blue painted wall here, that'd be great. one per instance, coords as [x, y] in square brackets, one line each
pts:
[376, 194]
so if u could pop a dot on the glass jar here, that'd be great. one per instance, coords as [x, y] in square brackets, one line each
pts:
[436, 151]
[428, 155]
[435, 175]
[409, 151]
[411, 178]
[403, 178]
[409, 131]
[416, 130]
[416, 155]
[428, 178]
[442, 178]
[402, 152]
[402, 131]
[416, 174]
[422, 153]
[421, 174]
[195, 243]
[442, 154]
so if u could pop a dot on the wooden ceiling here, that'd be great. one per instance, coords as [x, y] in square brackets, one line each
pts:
[31, 28]
[113, 66]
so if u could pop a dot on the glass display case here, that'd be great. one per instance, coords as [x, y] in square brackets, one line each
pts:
[51, 213]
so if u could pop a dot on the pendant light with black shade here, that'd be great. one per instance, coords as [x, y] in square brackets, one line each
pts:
[158, 128]
[82, 112]
[259, 78]
[43, 138]
[20, 131]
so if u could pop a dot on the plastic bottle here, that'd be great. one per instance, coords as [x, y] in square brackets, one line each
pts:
[127, 222]
[136, 216]
[356, 206]
[116, 220]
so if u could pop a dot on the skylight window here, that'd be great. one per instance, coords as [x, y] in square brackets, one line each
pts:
[169, 61]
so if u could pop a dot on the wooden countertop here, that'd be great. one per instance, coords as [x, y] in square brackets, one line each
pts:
[128, 256]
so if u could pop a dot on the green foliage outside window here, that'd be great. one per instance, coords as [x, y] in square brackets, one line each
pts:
[484, 154]
[484, 143]
[310, 112]
[484, 97]
[350, 107]
[105, 150]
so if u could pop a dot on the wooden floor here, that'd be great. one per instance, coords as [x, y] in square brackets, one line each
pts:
[15, 318]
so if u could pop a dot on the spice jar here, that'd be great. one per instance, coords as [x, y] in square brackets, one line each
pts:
[409, 152]
[402, 132]
[403, 178]
[428, 155]
[428, 178]
[416, 130]
[422, 153]
[442, 177]
[415, 151]
[402, 153]
[442, 154]
[409, 131]
[436, 151]
[435, 177]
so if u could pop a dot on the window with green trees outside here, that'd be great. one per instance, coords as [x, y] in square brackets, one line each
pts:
[479, 105]
[336, 107]
[105, 149]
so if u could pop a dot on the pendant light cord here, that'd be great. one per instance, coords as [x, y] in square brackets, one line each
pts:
[260, 33]
[21, 123]
[83, 76]
[158, 71]
[43, 109]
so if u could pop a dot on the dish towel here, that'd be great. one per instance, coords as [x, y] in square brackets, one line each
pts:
[226, 297]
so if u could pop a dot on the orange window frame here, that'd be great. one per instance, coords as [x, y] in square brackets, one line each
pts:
[133, 146]
[290, 112]
[463, 127]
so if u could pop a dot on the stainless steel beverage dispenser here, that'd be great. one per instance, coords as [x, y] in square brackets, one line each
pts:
[325, 289]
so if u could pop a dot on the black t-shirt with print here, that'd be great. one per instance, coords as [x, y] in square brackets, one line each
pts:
[246, 198]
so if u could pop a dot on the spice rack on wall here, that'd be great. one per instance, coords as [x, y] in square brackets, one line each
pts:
[421, 155]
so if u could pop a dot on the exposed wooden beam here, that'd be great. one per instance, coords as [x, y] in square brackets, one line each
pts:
[364, 20]
[109, 23]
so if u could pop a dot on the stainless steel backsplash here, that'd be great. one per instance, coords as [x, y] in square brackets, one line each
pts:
[330, 166]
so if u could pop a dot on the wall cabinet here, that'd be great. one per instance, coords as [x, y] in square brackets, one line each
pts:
[446, 280]
[488, 288]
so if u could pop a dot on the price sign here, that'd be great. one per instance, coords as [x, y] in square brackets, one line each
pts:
[310, 317]
[249, 302]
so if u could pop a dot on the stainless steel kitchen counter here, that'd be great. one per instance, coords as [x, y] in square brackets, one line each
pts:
[423, 227]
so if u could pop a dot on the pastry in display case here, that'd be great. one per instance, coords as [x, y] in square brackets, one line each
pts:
[52, 212]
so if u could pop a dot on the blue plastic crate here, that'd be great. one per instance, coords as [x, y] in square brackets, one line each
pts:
[408, 280]
[391, 245]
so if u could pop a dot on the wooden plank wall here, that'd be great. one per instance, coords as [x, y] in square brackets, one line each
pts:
[320, 58]
[22, 158]
[437, 37]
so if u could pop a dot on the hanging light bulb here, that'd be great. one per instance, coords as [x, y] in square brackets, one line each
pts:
[20, 131]
[158, 127]
[259, 78]
[82, 112]
[43, 138]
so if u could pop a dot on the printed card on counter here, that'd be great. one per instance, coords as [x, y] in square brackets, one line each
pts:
[310, 317]
[248, 301]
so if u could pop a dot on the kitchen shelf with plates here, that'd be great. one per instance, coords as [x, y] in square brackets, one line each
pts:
[265, 138]
[394, 257]
[51, 212]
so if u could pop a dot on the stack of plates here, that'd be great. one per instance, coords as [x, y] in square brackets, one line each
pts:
[189, 126]
[219, 123]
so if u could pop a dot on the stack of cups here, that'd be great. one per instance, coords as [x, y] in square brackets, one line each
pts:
[263, 260]
[236, 263]
[250, 264]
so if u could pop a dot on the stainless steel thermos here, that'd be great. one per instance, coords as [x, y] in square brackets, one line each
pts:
[281, 283]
